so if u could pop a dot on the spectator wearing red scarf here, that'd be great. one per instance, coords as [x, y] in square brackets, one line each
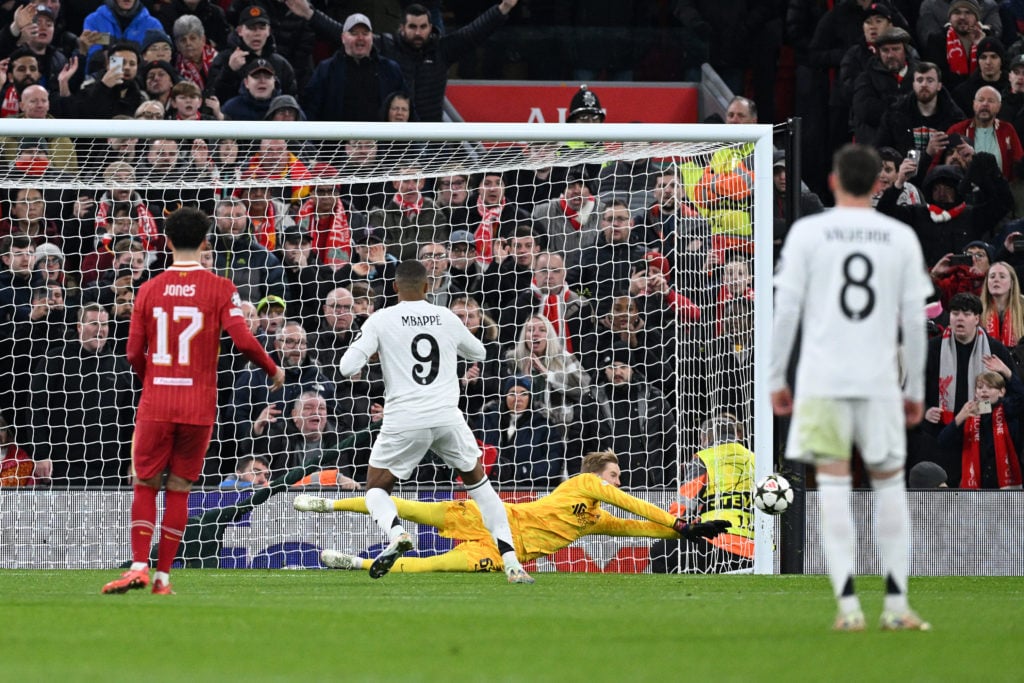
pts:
[566, 218]
[409, 217]
[982, 443]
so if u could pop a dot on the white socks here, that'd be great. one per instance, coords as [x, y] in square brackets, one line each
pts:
[383, 511]
[839, 537]
[493, 513]
[892, 529]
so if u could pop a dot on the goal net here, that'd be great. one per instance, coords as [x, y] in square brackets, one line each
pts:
[610, 271]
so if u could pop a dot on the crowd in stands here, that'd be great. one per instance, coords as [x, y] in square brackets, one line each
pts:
[937, 88]
[615, 300]
[591, 286]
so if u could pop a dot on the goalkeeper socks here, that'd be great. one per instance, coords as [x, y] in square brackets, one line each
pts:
[172, 527]
[495, 519]
[892, 530]
[839, 537]
[143, 524]
[384, 512]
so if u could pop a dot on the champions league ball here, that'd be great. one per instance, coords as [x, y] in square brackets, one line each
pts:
[773, 494]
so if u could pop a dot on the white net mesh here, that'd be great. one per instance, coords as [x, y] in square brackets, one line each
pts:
[611, 284]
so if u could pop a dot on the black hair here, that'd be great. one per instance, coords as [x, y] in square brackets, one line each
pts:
[126, 46]
[890, 154]
[15, 240]
[410, 273]
[415, 10]
[187, 228]
[24, 51]
[965, 302]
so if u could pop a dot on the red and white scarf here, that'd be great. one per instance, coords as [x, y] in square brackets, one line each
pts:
[144, 221]
[190, 72]
[410, 210]
[941, 215]
[1001, 327]
[1007, 463]
[553, 308]
[490, 221]
[265, 229]
[331, 235]
[570, 213]
[957, 58]
[948, 369]
[293, 170]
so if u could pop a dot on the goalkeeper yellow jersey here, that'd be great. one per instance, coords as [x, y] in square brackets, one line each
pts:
[571, 511]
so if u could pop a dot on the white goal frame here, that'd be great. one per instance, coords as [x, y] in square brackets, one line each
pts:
[760, 135]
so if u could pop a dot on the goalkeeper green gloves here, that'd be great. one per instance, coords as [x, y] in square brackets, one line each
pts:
[700, 529]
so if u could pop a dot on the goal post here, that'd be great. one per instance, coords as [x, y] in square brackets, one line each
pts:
[691, 369]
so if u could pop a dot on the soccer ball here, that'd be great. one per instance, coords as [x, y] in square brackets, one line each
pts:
[773, 494]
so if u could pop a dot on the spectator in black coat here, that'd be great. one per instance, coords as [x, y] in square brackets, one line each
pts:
[293, 38]
[915, 117]
[956, 212]
[638, 422]
[886, 77]
[609, 257]
[82, 398]
[258, 89]
[423, 52]
[353, 84]
[251, 40]
[115, 90]
[530, 453]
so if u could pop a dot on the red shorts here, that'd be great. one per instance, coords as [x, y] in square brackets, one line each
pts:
[158, 446]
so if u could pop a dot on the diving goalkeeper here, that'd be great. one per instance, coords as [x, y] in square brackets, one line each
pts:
[539, 527]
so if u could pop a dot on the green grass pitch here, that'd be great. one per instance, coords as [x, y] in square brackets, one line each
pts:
[343, 626]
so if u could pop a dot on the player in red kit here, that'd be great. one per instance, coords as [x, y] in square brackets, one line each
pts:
[173, 343]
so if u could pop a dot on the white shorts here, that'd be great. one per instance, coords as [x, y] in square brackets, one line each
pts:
[401, 452]
[825, 429]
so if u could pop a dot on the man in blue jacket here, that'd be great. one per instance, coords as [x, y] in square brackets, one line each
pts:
[123, 20]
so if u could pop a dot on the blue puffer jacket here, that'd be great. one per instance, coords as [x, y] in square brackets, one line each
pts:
[105, 20]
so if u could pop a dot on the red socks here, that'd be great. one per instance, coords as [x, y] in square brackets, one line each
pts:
[143, 522]
[172, 527]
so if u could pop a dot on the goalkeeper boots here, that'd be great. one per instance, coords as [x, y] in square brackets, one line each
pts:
[161, 588]
[849, 621]
[339, 560]
[386, 560]
[518, 575]
[307, 503]
[905, 620]
[129, 580]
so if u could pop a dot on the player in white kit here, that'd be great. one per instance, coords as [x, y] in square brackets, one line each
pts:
[418, 344]
[853, 279]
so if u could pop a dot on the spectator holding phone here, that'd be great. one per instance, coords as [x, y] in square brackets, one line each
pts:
[918, 120]
[115, 91]
[893, 166]
[951, 218]
[123, 20]
[986, 133]
[955, 360]
[966, 272]
[982, 445]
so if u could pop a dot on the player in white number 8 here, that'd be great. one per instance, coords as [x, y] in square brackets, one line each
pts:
[854, 280]
[418, 344]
